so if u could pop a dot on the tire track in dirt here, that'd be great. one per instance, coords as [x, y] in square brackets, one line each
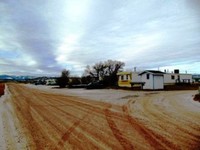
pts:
[51, 119]
[167, 120]
[126, 144]
[39, 141]
[95, 111]
[164, 117]
[22, 103]
[153, 139]
[89, 107]
[54, 121]
[170, 122]
[67, 134]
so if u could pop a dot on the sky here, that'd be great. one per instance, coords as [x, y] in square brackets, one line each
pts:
[43, 37]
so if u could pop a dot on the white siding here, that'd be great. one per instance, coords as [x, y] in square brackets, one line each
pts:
[186, 76]
[136, 77]
[168, 78]
[153, 83]
[148, 82]
[158, 82]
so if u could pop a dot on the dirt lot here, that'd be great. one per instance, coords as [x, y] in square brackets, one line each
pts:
[49, 119]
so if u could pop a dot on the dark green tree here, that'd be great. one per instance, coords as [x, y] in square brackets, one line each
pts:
[63, 80]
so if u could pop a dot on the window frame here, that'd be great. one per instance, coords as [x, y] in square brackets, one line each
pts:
[122, 78]
[147, 76]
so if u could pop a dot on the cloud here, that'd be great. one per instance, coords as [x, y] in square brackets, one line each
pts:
[27, 33]
[48, 37]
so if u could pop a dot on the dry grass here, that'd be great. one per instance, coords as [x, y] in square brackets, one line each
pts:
[2, 86]
[197, 97]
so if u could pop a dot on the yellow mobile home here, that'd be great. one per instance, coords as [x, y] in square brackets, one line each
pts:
[124, 79]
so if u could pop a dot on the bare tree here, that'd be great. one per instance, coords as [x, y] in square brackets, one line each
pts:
[96, 71]
[113, 66]
[89, 72]
[106, 71]
[100, 69]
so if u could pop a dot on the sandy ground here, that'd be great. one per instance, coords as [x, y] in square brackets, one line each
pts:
[98, 119]
[12, 136]
[105, 95]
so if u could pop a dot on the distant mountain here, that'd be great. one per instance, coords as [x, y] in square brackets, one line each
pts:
[16, 78]
[6, 77]
[23, 77]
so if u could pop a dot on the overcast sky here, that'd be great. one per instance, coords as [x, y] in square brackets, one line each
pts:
[40, 37]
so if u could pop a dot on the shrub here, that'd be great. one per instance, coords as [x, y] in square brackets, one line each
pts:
[64, 79]
[2, 86]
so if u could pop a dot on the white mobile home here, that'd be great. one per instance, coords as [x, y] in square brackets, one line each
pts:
[151, 79]
[176, 77]
[154, 80]
[196, 77]
[51, 82]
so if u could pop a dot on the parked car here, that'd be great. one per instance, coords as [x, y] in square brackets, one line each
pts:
[95, 85]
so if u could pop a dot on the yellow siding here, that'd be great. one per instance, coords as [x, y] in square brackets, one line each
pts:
[125, 83]
[123, 73]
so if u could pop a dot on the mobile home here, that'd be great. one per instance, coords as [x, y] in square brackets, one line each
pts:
[176, 77]
[124, 79]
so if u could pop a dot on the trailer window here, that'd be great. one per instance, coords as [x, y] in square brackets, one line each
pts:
[127, 77]
[147, 76]
[122, 77]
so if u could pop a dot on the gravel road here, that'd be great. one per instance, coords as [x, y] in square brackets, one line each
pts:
[49, 119]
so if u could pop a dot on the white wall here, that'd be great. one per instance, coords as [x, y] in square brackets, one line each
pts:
[168, 80]
[136, 77]
[154, 82]
[148, 82]
[158, 82]
[186, 76]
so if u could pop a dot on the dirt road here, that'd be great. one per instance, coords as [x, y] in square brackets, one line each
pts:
[55, 121]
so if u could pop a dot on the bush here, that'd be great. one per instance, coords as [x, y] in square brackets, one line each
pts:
[197, 97]
[2, 86]
[62, 81]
